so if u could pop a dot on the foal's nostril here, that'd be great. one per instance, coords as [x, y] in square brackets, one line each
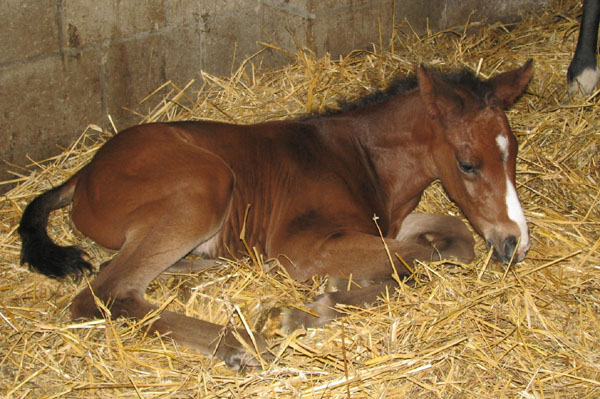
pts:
[509, 247]
[495, 254]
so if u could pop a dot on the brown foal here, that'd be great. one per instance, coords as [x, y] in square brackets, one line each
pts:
[159, 191]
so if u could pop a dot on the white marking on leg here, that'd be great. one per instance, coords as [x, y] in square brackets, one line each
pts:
[585, 82]
[515, 213]
[502, 142]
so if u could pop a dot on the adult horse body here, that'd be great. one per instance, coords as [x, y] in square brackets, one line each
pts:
[157, 192]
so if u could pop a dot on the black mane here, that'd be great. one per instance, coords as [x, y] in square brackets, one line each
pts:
[464, 79]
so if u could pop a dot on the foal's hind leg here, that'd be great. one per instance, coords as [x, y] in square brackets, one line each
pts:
[186, 265]
[122, 284]
[157, 233]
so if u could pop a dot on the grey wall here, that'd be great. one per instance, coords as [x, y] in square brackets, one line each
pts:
[68, 63]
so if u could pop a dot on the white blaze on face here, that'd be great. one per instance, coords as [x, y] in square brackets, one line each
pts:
[513, 206]
[503, 145]
[515, 213]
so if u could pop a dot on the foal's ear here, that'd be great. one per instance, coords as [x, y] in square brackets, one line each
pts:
[508, 86]
[440, 100]
[427, 92]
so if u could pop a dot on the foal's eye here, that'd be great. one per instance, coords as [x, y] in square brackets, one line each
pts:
[467, 168]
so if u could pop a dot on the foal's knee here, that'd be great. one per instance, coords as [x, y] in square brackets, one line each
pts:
[446, 236]
[449, 247]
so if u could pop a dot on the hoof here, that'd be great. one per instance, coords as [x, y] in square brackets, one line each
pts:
[317, 314]
[235, 354]
[269, 322]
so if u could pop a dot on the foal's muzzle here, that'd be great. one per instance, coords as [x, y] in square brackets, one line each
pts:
[506, 251]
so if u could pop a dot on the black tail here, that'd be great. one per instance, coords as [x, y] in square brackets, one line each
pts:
[37, 248]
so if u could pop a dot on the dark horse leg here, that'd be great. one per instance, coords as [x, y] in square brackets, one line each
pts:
[583, 73]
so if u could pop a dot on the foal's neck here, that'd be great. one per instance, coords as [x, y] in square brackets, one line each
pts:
[397, 135]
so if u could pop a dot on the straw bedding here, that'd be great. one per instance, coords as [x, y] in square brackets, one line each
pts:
[467, 330]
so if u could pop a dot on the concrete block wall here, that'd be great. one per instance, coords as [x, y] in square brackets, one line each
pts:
[68, 63]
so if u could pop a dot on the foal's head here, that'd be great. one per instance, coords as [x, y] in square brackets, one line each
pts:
[474, 152]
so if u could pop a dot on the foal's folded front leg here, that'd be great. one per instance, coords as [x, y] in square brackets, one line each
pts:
[448, 236]
[323, 309]
[360, 257]
[121, 285]
[364, 258]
